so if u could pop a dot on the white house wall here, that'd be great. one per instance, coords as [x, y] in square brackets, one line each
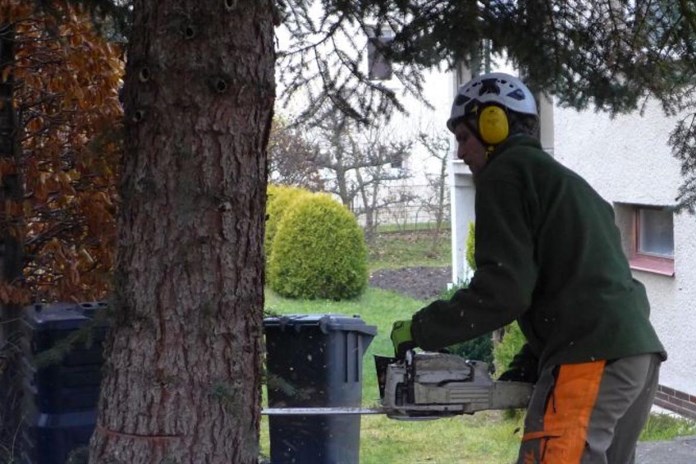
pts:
[676, 320]
[627, 160]
[421, 118]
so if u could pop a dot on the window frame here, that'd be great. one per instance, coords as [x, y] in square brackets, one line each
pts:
[648, 262]
[379, 67]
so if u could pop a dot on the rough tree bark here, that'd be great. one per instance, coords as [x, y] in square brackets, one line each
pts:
[183, 371]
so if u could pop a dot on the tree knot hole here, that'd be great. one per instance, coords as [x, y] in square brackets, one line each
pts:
[138, 115]
[230, 5]
[220, 85]
[190, 31]
[144, 74]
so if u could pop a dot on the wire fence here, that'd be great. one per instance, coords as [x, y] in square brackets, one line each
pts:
[408, 207]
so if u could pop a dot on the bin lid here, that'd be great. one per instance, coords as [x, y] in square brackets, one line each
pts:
[60, 316]
[325, 323]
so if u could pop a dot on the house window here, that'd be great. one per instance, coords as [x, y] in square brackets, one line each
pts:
[396, 161]
[378, 66]
[653, 244]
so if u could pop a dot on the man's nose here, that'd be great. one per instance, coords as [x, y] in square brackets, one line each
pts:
[460, 152]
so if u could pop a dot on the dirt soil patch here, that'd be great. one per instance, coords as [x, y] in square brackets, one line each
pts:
[422, 283]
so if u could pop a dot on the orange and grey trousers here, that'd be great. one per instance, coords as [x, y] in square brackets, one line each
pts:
[589, 413]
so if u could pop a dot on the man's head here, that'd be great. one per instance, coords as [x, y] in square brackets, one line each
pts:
[469, 148]
[491, 107]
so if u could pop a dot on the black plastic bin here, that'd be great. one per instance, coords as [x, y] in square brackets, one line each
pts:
[50, 438]
[60, 398]
[315, 361]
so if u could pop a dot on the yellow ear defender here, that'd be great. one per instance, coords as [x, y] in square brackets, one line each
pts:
[493, 124]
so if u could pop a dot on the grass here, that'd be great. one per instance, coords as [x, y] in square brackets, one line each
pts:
[667, 427]
[409, 227]
[486, 437]
[396, 250]
[481, 438]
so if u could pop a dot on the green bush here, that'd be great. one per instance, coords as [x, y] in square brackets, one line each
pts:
[471, 246]
[511, 344]
[280, 200]
[478, 349]
[319, 251]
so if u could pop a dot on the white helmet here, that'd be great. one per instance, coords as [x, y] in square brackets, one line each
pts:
[496, 88]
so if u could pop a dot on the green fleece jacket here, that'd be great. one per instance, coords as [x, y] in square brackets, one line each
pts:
[548, 254]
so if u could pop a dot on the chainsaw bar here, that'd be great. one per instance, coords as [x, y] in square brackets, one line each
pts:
[327, 411]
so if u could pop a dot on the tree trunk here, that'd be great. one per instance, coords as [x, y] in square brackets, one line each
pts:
[441, 184]
[183, 371]
[370, 227]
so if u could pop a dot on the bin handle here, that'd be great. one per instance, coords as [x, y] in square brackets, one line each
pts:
[326, 325]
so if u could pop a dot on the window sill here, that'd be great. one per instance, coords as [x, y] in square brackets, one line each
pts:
[653, 265]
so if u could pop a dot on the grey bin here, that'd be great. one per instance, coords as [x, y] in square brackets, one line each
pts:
[315, 361]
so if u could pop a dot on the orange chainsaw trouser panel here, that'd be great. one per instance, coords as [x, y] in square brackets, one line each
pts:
[589, 413]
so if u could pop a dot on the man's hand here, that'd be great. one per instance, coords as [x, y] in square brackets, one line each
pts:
[401, 338]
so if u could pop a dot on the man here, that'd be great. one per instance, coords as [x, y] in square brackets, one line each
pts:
[548, 255]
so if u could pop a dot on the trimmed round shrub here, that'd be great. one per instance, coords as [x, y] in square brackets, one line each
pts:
[319, 251]
[280, 200]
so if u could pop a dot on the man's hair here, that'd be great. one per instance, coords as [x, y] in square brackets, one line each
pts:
[523, 124]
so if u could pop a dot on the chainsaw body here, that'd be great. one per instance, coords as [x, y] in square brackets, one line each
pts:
[433, 385]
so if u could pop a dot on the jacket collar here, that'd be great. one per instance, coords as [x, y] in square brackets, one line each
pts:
[514, 141]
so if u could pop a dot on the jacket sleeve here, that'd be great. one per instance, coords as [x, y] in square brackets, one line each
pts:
[502, 285]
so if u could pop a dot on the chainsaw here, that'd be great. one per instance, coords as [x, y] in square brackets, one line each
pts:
[427, 385]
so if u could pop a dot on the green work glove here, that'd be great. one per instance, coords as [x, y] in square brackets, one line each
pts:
[401, 338]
